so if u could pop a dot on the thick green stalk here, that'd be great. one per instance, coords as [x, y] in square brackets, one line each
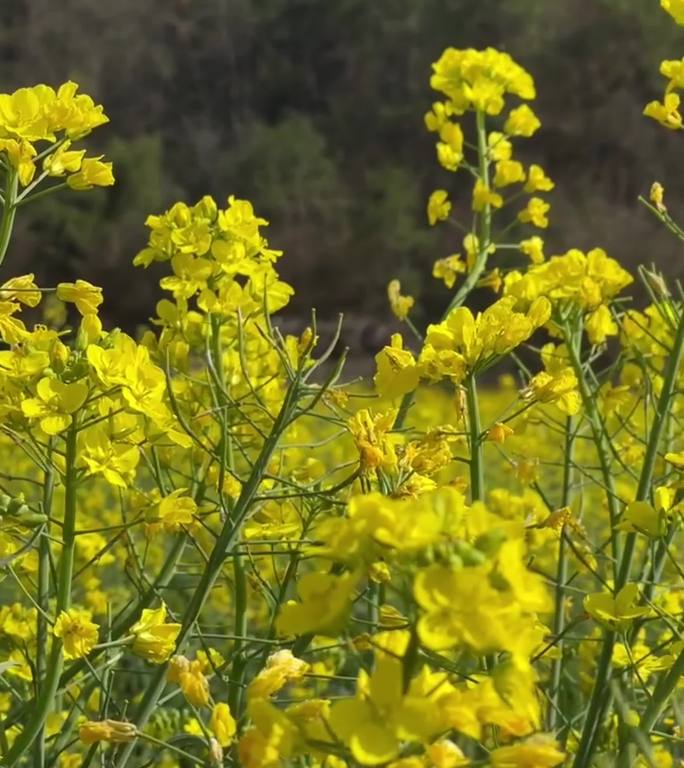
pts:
[600, 700]
[41, 707]
[9, 211]
[474, 428]
[224, 542]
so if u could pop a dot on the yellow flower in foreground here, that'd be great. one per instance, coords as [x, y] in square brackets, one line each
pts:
[616, 612]
[114, 731]
[448, 269]
[534, 248]
[483, 196]
[438, 206]
[154, 639]
[55, 403]
[400, 305]
[657, 196]
[77, 631]
[326, 600]
[93, 173]
[63, 160]
[85, 296]
[281, 668]
[536, 213]
[397, 372]
[223, 724]
[522, 122]
[675, 8]
[539, 751]
[537, 180]
[20, 155]
[666, 113]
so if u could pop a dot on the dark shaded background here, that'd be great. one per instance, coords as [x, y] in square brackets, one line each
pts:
[313, 109]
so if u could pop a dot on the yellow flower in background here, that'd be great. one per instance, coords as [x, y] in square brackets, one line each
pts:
[641, 517]
[175, 511]
[78, 633]
[282, 667]
[194, 684]
[113, 731]
[538, 751]
[618, 611]
[223, 724]
[499, 432]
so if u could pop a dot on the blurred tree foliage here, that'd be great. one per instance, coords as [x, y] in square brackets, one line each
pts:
[313, 109]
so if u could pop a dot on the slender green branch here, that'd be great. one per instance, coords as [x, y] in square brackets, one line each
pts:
[476, 458]
[225, 541]
[41, 706]
[484, 235]
[9, 210]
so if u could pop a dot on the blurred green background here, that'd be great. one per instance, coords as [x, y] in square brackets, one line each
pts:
[313, 109]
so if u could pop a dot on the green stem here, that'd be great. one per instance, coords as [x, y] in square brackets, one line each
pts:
[555, 687]
[239, 660]
[660, 419]
[599, 702]
[476, 462]
[225, 541]
[601, 694]
[48, 690]
[9, 211]
[484, 235]
[43, 595]
[662, 694]
[599, 435]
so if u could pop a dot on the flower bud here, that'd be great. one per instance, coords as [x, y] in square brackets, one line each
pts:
[114, 731]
